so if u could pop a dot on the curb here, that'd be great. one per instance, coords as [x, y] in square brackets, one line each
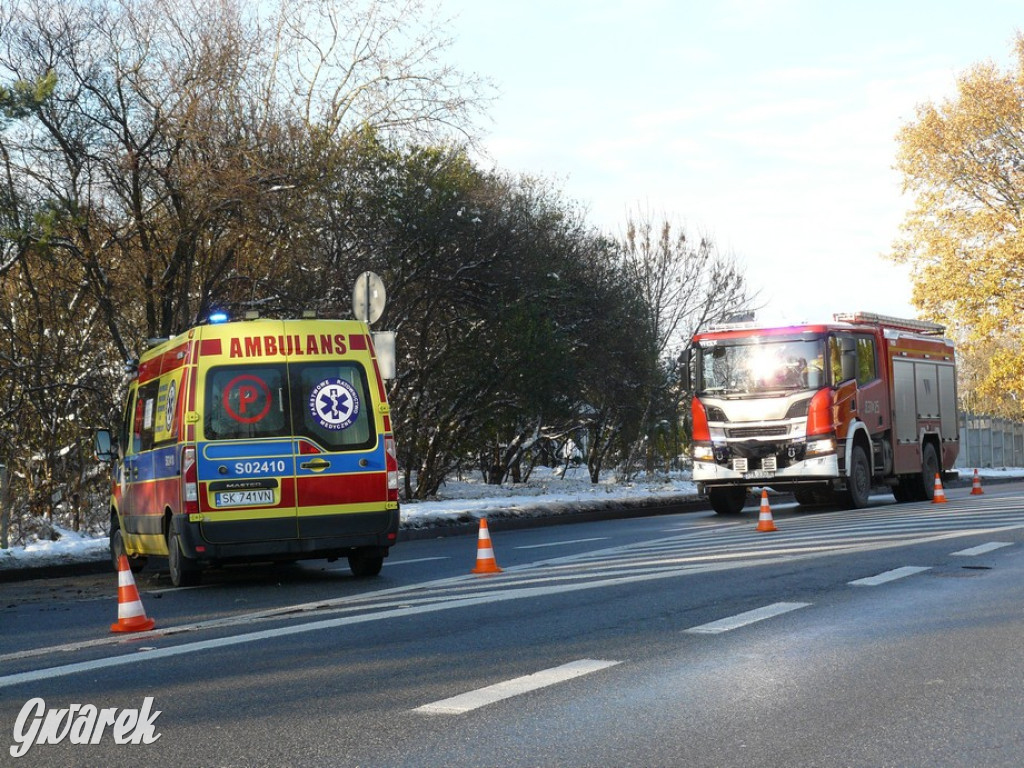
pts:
[513, 518]
[507, 519]
[510, 518]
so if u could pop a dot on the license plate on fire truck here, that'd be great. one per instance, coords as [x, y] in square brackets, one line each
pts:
[244, 498]
[768, 466]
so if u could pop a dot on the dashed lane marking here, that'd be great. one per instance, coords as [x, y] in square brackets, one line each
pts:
[466, 702]
[887, 576]
[983, 549]
[743, 619]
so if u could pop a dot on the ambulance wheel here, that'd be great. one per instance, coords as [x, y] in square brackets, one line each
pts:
[727, 501]
[858, 484]
[366, 562]
[184, 571]
[117, 549]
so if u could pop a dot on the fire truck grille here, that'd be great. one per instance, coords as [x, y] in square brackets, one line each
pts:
[745, 432]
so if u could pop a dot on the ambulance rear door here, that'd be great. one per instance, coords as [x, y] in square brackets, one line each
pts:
[341, 467]
[246, 462]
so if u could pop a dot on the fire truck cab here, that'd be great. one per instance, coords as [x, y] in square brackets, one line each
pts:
[259, 440]
[825, 411]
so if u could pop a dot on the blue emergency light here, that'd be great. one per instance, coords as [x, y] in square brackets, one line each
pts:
[217, 318]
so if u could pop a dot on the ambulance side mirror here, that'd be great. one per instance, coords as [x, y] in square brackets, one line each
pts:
[106, 449]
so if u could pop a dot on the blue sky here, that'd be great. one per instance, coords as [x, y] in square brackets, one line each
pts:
[768, 125]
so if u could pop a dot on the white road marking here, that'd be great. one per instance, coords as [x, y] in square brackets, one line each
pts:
[508, 593]
[168, 590]
[457, 705]
[982, 549]
[416, 560]
[883, 578]
[389, 562]
[562, 543]
[670, 557]
[743, 619]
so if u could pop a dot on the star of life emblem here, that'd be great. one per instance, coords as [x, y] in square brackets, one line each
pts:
[334, 404]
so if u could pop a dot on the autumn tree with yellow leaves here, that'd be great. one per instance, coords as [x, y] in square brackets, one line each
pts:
[963, 160]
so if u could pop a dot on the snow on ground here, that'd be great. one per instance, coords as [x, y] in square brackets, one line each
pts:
[459, 500]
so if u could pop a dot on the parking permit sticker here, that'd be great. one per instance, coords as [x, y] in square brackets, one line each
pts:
[247, 399]
[334, 404]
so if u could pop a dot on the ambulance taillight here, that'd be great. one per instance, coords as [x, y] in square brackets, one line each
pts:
[392, 467]
[189, 479]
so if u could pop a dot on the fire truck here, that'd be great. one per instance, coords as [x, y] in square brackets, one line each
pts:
[824, 411]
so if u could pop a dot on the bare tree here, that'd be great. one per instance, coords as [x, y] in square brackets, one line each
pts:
[162, 157]
[380, 64]
[183, 140]
[685, 284]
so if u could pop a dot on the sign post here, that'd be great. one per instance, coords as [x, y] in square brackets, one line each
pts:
[5, 514]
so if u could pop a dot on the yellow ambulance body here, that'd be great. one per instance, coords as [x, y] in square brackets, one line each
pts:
[256, 441]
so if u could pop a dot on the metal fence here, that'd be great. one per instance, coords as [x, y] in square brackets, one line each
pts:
[987, 441]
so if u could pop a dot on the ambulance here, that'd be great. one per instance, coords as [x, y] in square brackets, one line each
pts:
[254, 441]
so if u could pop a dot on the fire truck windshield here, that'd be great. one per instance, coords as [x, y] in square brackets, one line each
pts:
[760, 365]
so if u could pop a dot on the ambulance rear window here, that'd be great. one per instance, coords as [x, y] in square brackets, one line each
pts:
[331, 404]
[246, 402]
[326, 401]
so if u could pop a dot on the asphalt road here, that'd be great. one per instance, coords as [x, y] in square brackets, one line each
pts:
[887, 636]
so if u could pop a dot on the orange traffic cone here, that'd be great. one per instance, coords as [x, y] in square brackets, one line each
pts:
[765, 522]
[976, 486]
[939, 497]
[131, 616]
[485, 562]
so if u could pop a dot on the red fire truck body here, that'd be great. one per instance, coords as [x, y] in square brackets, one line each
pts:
[825, 411]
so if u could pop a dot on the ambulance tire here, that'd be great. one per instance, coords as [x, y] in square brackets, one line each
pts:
[184, 572]
[728, 501]
[366, 562]
[117, 549]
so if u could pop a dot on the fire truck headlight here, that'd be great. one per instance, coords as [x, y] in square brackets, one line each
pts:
[817, 447]
[703, 453]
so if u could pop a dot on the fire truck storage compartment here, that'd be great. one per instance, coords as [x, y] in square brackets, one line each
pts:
[924, 390]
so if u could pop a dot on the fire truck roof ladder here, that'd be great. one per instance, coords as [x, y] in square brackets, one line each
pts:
[919, 326]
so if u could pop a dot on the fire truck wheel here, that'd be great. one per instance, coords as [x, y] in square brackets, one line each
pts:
[929, 468]
[117, 549]
[903, 491]
[184, 572]
[727, 501]
[366, 562]
[858, 484]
